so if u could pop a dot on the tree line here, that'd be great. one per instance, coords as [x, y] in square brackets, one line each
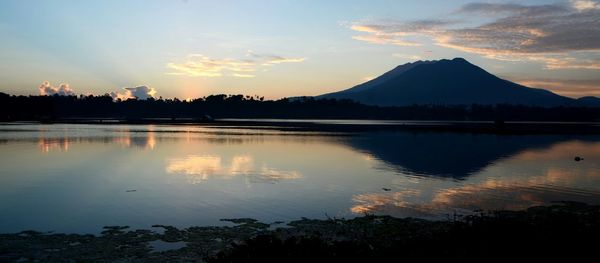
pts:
[21, 108]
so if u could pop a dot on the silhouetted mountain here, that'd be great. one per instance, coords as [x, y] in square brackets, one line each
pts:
[588, 101]
[446, 82]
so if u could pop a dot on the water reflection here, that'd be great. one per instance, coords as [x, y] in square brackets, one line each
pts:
[46, 145]
[454, 155]
[202, 168]
[75, 178]
[145, 140]
[532, 177]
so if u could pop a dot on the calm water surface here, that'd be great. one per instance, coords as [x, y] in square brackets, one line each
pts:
[78, 178]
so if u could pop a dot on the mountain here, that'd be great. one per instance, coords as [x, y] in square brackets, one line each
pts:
[588, 101]
[448, 82]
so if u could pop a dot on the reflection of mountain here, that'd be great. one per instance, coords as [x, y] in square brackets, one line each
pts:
[530, 178]
[454, 155]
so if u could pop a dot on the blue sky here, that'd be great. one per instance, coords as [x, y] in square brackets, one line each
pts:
[288, 48]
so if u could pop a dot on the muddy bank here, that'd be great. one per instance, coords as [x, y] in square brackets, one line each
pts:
[561, 231]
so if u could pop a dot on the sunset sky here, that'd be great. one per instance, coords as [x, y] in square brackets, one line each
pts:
[288, 48]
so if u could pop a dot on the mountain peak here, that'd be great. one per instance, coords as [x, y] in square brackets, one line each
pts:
[445, 82]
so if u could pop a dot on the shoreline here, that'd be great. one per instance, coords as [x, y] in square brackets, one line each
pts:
[325, 125]
[567, 225]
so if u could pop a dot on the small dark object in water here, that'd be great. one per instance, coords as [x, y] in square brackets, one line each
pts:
[577, 158]
[499, 123]
[385, 189]
[129, 191]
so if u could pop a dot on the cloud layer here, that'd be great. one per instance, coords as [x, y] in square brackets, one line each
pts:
[566, 87]
[558, 35]
[62, 90]
[198, 65]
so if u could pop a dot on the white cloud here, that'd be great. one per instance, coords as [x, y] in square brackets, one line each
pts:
[198, 65]
[62, 90]
[583, 5]
[140, 92]
[405, 56]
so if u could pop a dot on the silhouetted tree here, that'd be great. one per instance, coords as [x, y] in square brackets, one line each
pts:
[239, 106]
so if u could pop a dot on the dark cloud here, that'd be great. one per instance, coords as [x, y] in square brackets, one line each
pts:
[536, 10]
[545, 33]
[532, 29]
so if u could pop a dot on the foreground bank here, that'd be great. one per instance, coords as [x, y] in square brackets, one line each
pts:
[565, 230]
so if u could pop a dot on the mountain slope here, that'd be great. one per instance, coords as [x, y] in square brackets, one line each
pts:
[588, 101]
[445, 82]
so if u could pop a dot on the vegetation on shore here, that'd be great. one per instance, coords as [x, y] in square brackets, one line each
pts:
[19, 108]
[567, 231]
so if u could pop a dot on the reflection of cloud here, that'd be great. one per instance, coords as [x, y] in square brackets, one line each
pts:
[553, 34]
[62, 90]
[205, 167]
[562, 151]
[370, 203]
[241, 164]
[268, 174]
[201, 168]
[489, 196]
[198, 65]
[46, 145]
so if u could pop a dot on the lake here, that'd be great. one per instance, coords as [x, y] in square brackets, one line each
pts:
[78, 178]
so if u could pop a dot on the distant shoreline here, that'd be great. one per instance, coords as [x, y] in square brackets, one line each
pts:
[349, 125]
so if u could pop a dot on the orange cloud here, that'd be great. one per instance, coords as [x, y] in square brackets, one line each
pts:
[566, 87]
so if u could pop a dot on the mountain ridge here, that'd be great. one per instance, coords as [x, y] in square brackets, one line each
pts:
[450, 82]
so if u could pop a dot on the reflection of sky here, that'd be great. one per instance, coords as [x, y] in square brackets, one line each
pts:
[185, 175]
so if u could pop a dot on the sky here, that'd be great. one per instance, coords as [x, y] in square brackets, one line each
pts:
[194, 48]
